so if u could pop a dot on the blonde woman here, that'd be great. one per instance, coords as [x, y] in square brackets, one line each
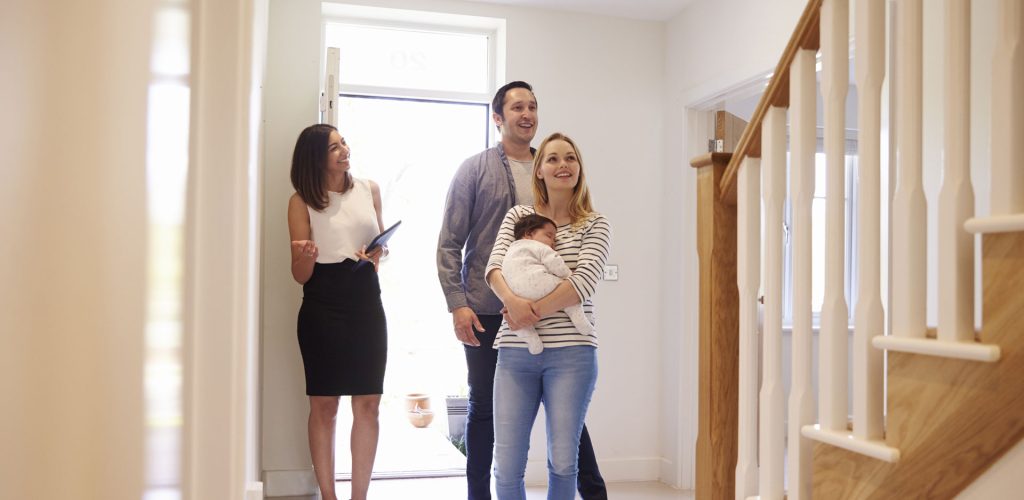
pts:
[562, 377]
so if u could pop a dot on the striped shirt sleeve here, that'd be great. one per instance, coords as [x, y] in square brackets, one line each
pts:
[593, 255]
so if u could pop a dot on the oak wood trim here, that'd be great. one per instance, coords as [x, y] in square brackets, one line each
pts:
[777, 94]
[708, 159]
[718, 377]
[951, 419]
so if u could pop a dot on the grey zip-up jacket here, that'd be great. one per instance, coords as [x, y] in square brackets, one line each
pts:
[481, 191]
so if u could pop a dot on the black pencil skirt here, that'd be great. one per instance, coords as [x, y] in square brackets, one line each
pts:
[343, 331]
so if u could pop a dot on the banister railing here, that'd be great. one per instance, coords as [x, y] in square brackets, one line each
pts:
[776, 94]
[755, 178]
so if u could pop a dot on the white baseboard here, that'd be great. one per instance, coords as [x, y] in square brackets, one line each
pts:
[289, 483]
[286, 483]
[613, 470]
[670, 473]
[254, 491]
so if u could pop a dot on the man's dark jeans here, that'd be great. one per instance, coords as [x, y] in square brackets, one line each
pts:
[482, 362]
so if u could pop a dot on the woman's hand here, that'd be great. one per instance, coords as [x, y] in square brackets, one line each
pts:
[305, 249]
[520, 313]
[374, 255]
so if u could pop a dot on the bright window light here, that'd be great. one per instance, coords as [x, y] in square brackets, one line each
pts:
[410, 59]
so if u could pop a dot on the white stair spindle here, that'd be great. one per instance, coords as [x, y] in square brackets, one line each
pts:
[909, 231]
[833, 352]
[956, 198]
[1008, 111]
[869, 318]
[803, 137]
[748, 276]
[772, 401]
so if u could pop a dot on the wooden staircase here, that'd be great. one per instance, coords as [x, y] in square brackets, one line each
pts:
[953, 405]
[950, 419]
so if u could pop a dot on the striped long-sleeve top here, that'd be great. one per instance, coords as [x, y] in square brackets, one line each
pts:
[584, 248]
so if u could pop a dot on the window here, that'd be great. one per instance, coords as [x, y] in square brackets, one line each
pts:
[382, 56]
[818, 239]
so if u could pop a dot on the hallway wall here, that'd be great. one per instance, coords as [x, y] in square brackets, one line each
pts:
[73, 266]
[600, 80]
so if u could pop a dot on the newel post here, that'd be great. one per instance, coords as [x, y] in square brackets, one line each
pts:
[718, 333]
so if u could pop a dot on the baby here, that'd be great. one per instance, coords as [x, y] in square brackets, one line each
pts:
[532, 269]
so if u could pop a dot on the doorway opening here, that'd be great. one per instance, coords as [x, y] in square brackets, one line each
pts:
[413, 104]
[412, 148]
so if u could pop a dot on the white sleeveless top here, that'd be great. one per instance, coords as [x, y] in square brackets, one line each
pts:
[348, 223]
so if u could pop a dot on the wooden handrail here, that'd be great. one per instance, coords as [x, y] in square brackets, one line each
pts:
[707, 159]
[805, 36]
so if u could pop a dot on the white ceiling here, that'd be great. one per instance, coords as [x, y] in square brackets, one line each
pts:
[651, 10]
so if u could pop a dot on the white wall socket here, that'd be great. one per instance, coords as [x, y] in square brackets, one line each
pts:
[611, 272]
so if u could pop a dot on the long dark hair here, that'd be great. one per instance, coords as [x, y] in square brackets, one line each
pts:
[308, 173]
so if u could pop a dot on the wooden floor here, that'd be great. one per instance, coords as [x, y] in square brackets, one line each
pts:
[455, 488]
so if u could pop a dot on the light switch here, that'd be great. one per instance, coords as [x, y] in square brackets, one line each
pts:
[611, 272]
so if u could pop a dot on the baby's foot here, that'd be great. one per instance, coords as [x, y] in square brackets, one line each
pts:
[535, 345]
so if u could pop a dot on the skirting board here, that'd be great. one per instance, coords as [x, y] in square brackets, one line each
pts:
[672, 475]
[613, 470]
[289, 483]
[254, 491]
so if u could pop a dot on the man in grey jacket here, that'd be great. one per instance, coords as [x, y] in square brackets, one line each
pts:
[482, 190]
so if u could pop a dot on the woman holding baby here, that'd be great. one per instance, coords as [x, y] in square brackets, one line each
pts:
[561, 376]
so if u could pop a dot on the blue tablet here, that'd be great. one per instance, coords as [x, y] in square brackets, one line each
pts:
[382, 238]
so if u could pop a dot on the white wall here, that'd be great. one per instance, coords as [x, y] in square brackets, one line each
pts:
[74, 252]
[600, 80]
[1004, 479]
[290, 104]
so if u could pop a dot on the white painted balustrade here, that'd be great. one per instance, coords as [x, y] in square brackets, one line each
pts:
[833, 355]
[803, 139]
[748, 275]
[955, 335]
[759, 470]
[1007, 125]
[956, 198]
[772, 397]
[867, 362]
[1008, 111]
[869, 320]
[909, 222]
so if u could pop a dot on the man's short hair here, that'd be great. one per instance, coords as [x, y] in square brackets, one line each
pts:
[498, 104]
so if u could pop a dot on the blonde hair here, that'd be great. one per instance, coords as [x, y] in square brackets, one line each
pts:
[579, 205]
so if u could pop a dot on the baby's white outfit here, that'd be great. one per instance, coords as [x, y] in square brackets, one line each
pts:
[532, 270]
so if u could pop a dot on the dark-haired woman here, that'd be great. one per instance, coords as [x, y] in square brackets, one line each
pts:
[341, 326]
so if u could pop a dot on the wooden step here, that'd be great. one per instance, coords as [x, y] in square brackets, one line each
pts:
[950, 418]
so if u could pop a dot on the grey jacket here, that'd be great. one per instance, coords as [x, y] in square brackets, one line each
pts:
[481, 191]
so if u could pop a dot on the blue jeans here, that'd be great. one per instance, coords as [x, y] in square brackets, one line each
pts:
[562, 378]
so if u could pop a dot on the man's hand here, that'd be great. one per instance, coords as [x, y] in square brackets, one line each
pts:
[465, 321]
